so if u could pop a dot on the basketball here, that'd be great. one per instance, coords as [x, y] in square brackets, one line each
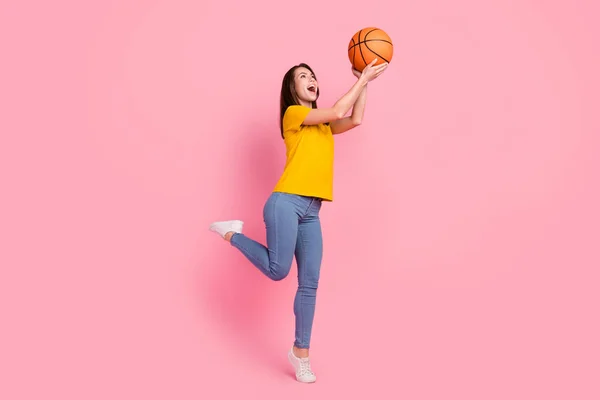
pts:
[368, 44]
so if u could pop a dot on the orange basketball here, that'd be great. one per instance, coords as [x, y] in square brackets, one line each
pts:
[367, 44]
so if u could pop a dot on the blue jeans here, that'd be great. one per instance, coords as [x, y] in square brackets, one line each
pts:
[293, 228]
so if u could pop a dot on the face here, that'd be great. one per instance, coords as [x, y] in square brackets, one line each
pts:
[306, 86]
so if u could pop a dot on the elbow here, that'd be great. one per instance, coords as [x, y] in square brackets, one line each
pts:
[338, 113]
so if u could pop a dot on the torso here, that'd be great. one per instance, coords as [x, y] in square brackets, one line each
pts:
[309, 162]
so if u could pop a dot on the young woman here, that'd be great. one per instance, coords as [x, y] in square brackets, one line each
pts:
[291, 213]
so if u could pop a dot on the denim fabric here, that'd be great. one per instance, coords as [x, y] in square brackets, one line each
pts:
[293, 229]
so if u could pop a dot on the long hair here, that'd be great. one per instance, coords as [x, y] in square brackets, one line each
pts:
[289, 97]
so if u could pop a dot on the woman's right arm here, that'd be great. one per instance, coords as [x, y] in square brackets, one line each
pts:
[344, 104]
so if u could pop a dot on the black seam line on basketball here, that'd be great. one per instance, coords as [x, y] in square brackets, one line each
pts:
[374, 29]
[370, 40]
[354, 55]
[367, 34]
[360, 48]
[367, 46]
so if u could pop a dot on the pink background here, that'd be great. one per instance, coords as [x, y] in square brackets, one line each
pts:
[461, 251]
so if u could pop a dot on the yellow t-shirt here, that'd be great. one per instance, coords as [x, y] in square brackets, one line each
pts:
[309, 151]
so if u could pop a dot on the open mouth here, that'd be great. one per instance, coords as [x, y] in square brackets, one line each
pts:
[312, 88]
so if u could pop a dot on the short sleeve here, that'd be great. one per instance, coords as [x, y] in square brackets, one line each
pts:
[294, 117]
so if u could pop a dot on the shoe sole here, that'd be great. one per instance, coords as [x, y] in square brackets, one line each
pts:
[236, 224]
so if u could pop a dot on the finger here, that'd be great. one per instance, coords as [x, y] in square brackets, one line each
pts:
[373, 62]
[376, 68]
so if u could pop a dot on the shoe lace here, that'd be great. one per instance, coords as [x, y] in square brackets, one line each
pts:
[305, 367]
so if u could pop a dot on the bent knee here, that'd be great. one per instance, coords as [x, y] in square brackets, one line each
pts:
[279, 272]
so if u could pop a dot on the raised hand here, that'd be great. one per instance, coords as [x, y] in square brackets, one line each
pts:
[372, 71]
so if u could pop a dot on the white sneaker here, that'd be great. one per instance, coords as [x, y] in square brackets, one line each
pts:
[302, 366]
[222, 227]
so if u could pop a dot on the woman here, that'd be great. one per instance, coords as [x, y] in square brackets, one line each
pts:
[291, 213]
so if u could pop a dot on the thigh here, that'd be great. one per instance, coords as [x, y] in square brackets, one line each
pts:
[309, 251]
[281, 222]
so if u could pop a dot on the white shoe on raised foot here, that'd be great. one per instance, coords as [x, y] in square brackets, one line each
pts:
[302, 366]
[222, 227]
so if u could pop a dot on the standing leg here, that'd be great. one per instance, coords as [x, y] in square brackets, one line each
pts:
[309, 253]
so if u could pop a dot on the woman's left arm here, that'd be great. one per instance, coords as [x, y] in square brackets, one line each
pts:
[358, 110]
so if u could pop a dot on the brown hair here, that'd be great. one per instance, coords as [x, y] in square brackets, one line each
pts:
[289, 96]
